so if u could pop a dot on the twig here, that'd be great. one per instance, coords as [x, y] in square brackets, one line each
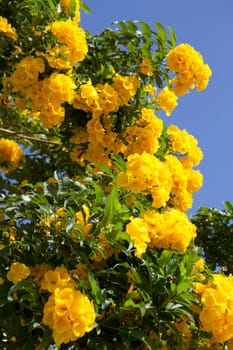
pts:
[7, 131]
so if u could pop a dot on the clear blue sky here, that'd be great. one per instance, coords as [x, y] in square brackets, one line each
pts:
[208, 26]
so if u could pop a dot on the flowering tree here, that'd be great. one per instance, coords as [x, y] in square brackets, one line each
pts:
[97, 251]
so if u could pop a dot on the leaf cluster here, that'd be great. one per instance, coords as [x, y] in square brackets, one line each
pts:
[215, 236]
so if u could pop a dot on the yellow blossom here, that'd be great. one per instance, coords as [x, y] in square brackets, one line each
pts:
[216, 314]
[146, 67]
[167, 100]
[72, 36]
[58, 278]
[70, 314]
[10, 154]
[147, 174]
[190, 68]
[126, 87]
[138, 232]
[185, 145]
[169, 230]
[18, 271]
[6, 29]
[26, 73]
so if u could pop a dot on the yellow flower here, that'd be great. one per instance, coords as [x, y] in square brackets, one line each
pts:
[195, 180]
[58, 88]
[18, 271]
[37, 273]
[6, 29]
[138, 232]
[185, 145]
[144, 136]
[10, 154]
[181, 198]
[52, 115]
[72, 36]
[199, 266]
[170, 230]
[108, 98]
[87, 99]
[147, 174]
[167, 100]
[190, 68]
[151, 90]
[70, 314]
[126, 87]
[58, 278]
[146, 67]
[216, 314]
[26, 73]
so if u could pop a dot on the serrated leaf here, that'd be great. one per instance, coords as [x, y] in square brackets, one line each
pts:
[141, 336]
[228, 206]
[145, 28]
[161, 31]
[24, 285]
[182, 287]
[85, 8]
[112, 206]
[172, 36]
[52, 5]
[46, 340]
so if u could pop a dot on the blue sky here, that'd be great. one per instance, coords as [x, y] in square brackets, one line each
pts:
[208, 26]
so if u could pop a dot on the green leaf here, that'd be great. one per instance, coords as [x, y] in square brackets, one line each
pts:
[112, 206]
[161, 31]
[25, 286]
[132, 27]
[99, 197]
[182, 287]
[228, 206]
[52, 5]
[94, 284]
[46, 340]
[172, 36]
[141, 336]
[145, 28]
[72, 6]
[84, 7]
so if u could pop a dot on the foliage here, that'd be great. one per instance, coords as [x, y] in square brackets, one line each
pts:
[215, 236]
[97, 250]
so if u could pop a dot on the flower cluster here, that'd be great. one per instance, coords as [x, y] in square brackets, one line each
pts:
[146, 67]
[98, 140]
[147, 174]
[185, 181]
[170, 230]
[10, 154]
[57, 89]
[216, 314]
[48, 95]
[70, 314]
[71, 36]
[167, 100]
[189, 66]
[26, 74]
[6, 29]
[18, 272]
[184, 146]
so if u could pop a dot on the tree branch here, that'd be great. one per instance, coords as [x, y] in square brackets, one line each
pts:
[7, 131]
